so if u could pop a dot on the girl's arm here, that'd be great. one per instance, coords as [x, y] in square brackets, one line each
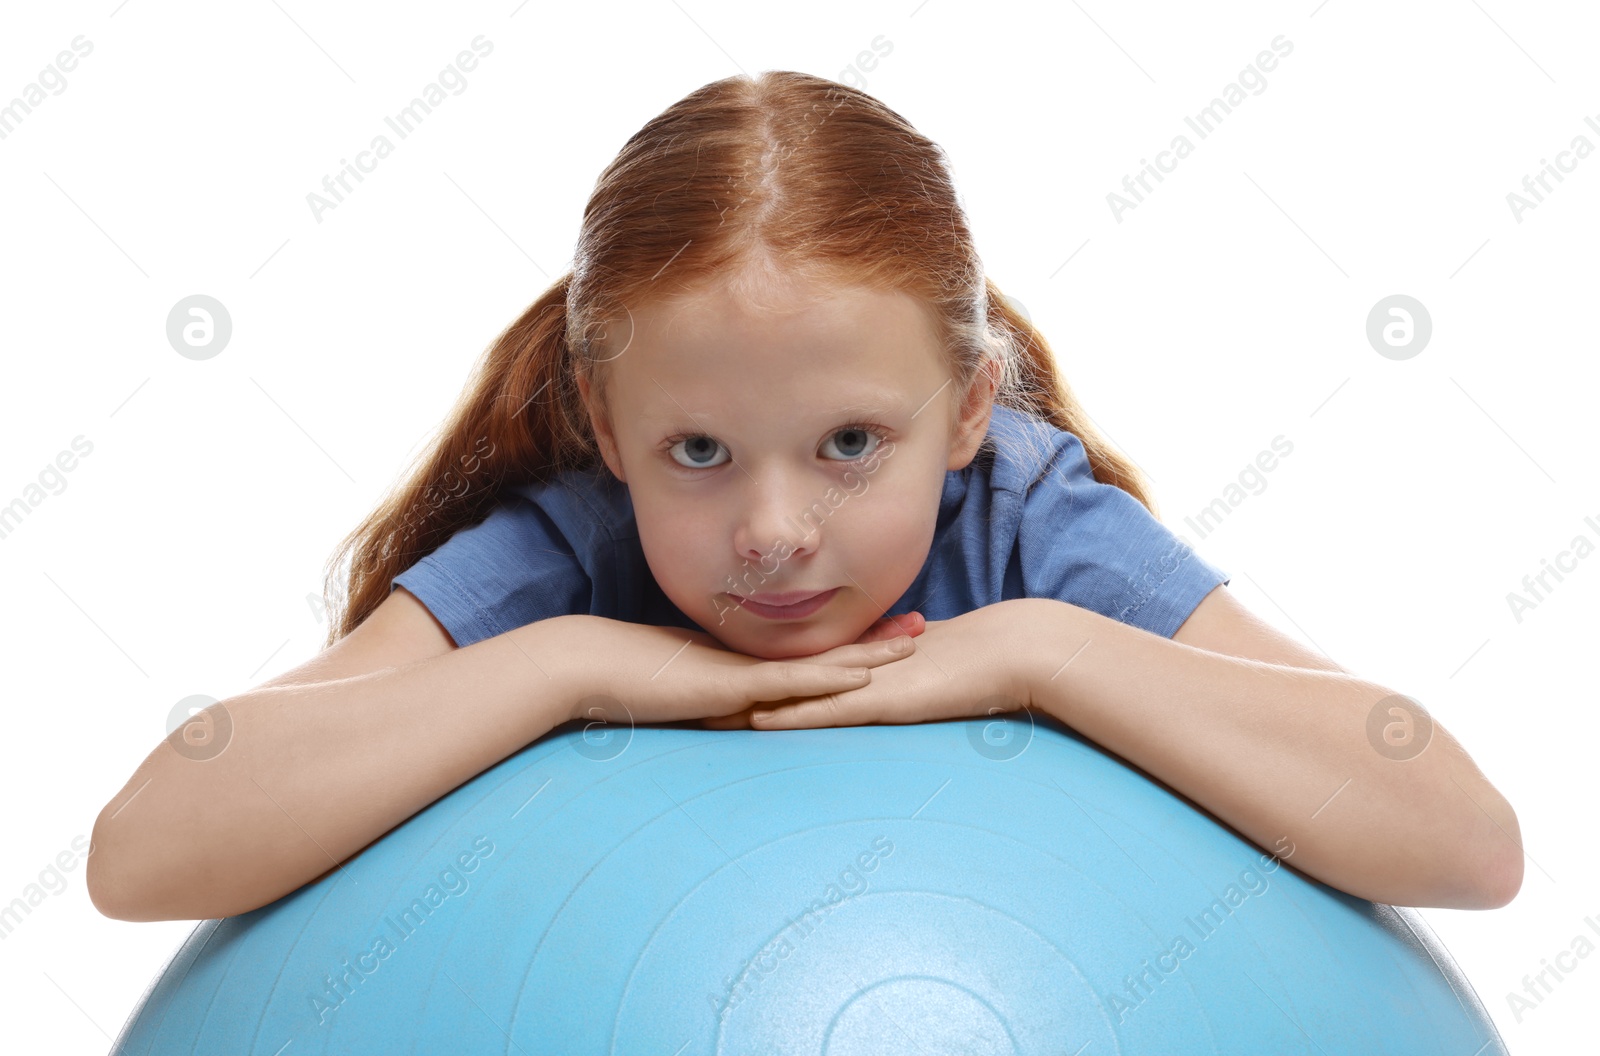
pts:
[1291, 757]
[312, 773]
[321, 762]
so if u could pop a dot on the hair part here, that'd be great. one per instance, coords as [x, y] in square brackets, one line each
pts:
[747, 182]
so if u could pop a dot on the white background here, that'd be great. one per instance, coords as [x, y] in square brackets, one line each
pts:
[1226, 309]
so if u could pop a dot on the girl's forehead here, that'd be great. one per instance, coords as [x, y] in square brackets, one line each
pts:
[768, 285]
[821, 346]
[724, 305]
[876, 343]
[812, 322]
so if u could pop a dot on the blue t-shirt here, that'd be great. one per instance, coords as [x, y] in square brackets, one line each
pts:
[1024, 519]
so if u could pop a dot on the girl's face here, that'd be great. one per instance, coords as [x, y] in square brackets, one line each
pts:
[799, 446]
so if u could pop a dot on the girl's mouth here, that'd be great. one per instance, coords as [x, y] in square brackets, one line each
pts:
[793, 611]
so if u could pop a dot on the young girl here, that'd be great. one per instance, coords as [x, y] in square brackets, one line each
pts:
[775, 425]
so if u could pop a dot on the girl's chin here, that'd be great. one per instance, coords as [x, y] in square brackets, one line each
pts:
[773, 645]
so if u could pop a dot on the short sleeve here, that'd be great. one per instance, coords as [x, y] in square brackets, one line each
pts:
[1096, 546]
[511, 569]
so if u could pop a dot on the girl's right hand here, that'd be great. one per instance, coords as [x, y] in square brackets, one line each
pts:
[885, 630]
[647, 674]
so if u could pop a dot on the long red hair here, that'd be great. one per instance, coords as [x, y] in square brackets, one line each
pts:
[781, 172]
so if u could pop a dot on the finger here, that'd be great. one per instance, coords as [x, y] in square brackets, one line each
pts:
[778, 679]
[891, 627]
[886, 628]
[828, 710]
[739, 720]
[873, 654]
[807, 716]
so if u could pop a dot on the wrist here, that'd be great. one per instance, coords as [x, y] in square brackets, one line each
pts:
[1052, 634]
[562, 647]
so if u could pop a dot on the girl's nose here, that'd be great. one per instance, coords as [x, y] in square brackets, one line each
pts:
[779, 517]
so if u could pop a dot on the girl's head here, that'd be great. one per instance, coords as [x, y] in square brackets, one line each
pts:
[777, 437]
[778, 334]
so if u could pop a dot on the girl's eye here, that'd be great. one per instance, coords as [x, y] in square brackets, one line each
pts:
[858, 436]
[700, 450]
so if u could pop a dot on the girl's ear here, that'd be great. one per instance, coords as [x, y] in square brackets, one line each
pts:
[973, 425]
[602, 431]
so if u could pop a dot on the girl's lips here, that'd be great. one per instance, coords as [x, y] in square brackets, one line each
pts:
[785, 612]
[780, 598]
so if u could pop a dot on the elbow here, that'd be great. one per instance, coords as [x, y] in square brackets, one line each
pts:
[1503, 868]
[125, 884]
[105, 876]
[117, 900]
[1501, 861]
[108, 903]
[1489, 882]
[100, 876]
[111, 876]
[1490, 876]
[1508, 881]
[1474, 837]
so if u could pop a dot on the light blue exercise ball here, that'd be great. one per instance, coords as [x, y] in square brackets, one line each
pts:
[982, 887]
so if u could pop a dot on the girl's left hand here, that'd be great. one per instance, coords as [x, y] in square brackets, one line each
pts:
[969, 667]
[911, 625]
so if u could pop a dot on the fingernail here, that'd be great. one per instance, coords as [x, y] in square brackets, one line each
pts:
[901, 644]
[760, 716]
[858, 672]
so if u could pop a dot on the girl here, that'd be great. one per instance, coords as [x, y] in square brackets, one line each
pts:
[776, 454]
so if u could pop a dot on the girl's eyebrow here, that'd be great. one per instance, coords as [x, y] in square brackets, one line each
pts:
[876, 405]
[674, 425]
